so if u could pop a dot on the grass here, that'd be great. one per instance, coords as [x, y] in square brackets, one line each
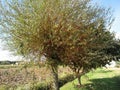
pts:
[100, 79]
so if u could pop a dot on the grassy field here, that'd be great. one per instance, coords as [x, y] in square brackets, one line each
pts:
[100, 79]
[13, 76]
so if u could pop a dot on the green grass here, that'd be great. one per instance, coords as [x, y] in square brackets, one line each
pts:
[100, 79]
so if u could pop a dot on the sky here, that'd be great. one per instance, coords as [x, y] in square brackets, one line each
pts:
[6, 55]
[114, 4]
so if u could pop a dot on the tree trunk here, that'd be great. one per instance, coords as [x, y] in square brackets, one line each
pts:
[79, 79]
[54, 72]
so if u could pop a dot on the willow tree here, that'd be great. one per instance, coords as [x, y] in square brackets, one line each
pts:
[53, 28]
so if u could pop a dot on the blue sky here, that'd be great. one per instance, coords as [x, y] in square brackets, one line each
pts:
[114, 4]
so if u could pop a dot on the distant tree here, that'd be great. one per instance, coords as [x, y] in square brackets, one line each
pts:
[63, 31]
[113, 49]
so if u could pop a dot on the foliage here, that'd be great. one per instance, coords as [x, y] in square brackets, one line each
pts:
[114, 49]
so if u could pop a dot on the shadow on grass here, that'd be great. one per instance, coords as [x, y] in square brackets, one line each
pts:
[104, 84]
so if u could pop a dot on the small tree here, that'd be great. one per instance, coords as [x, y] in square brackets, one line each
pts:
[89, 54]
[87, 49]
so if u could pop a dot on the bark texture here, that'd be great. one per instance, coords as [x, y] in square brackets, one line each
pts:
[54, 73]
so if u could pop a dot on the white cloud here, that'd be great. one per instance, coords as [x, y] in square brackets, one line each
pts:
[6, 55]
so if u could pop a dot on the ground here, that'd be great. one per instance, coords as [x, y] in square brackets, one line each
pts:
[13, 76]
[100, 79]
